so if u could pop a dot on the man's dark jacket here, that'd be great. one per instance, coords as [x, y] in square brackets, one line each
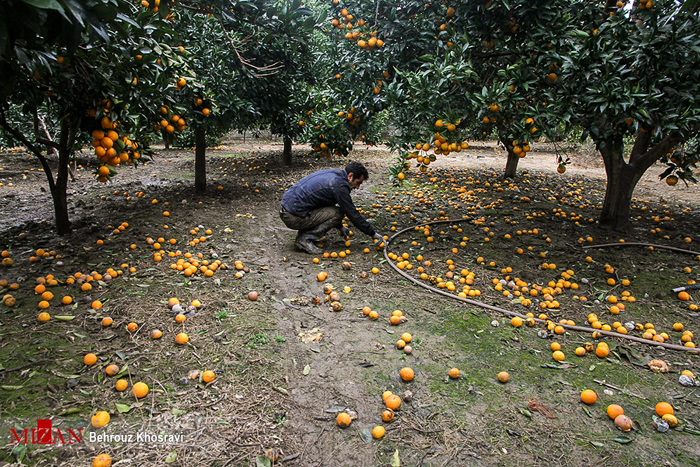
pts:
[326, 187]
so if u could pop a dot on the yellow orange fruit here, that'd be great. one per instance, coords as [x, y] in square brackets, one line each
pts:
[102, 460]
[140, 390]
[378, 432]
[100, 419]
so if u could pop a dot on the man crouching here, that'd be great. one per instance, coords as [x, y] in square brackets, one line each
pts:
[320, 201]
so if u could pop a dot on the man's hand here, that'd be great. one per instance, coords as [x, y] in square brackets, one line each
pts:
[379, 240]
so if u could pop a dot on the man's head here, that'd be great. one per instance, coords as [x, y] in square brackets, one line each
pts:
[356, 174]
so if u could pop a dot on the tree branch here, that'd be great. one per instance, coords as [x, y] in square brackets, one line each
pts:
[36, 151]
[646, 160]
[259, 71]
[641, 145]
[48, 142]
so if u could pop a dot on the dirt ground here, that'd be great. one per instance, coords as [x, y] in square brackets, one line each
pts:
[286, 366]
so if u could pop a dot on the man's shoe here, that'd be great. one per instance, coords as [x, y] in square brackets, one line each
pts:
[305, 243]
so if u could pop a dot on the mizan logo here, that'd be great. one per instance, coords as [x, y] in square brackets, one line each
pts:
[45, 434]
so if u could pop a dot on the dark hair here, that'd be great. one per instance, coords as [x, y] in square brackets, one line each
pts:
[357, 170]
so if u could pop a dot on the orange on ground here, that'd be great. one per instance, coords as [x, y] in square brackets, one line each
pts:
[100, 419]
[589, 396]
[614, 410]
[663, 408]
[102, 460]
[140, 390]
[406, 373]
[343, 420]
[208, 376]
[90, 359]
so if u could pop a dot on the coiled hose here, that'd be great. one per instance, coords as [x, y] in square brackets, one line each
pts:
[524, 317]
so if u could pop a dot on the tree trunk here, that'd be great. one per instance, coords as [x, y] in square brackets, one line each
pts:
[622, 179]
[200, 167]
[287, 152]
[60, 187]
[512, 163]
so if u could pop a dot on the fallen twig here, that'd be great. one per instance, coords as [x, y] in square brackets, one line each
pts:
[611, 386]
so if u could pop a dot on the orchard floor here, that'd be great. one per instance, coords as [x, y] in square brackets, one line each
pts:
[286, 366]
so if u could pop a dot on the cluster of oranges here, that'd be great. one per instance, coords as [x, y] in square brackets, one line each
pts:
[170, 121]
[6, 260]
[346, 23]
[112, 150]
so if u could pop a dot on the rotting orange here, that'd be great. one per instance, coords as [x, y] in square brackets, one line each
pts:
[343, 419]
[131, 327]
[388, 415]
[503, 377]
[623, 422]
[112, 369]
[106, 321]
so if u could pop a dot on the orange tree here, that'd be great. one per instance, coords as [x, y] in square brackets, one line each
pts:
[630, 79]
[103, 71]
[486, 68]
[346, 103]
[252, 62]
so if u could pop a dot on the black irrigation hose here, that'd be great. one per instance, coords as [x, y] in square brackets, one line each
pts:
[609, 245]
[513, 313]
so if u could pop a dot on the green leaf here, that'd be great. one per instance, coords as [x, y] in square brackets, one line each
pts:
[46, 4]
[395, 461]
[622, 440]
[123, 408]
[19, 452]
[64, 318]
[171, 457]
[262, 461]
